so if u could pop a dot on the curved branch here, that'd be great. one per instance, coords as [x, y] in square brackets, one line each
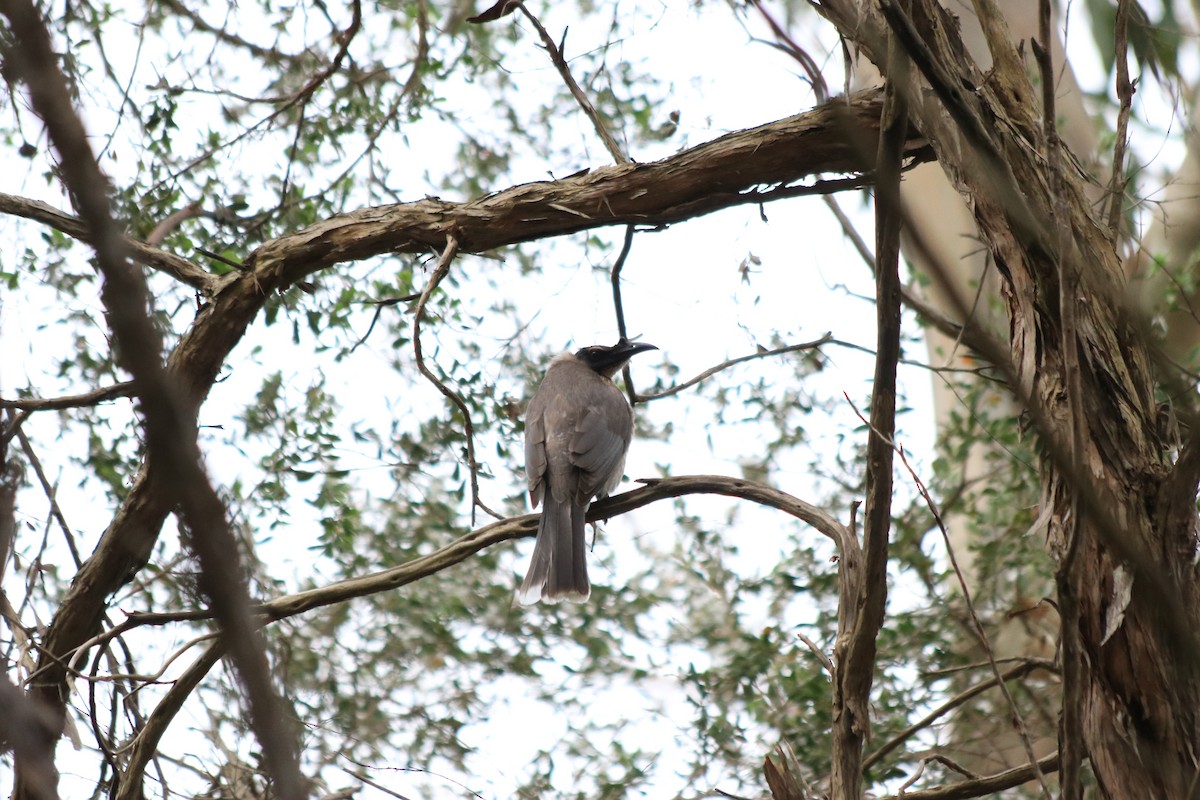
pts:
[441, 271]
[747, 167]
[526, 525]
[459, 550]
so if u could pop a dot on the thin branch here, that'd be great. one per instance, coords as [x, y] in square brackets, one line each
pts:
[560, 63]
[1125, 90]
[172, 221]
[51, 495]
[91, 398]
[788, 45]
[421, 58]
[379, 306]
[977, 626]
[344, 39]
[1067, 574]
[708, 373]
[441, 271]
[862, 586]
[819, 654]
[619, 306]
[145, 745]
[409, 572]
[508, 529]
[1019, 671]
[931, 314]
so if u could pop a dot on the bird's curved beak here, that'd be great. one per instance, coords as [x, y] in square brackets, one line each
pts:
[628, 349]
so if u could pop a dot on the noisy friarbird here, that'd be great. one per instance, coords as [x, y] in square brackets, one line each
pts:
[577, 432]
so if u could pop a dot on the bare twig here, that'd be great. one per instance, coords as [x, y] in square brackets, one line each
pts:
[441, 271]
[51, 495]
[421, 58]
[456, 552]
[985, 786]
[708, 373]
[787, 44]
[619, 307]
[379, 306]
[819, 654]
[1020, 670]
[977, 626]
[932, 315]
[343, 38]
[1125, 90]
[560, 63]
[172, 221]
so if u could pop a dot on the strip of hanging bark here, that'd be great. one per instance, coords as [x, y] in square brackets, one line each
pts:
[863, 586]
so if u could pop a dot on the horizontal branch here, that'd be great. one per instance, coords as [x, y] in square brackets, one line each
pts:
[91, 398]
[178, 268]
[746, 167]
[454, 553]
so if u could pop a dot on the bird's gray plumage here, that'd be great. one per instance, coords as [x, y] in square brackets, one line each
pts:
[577, 432]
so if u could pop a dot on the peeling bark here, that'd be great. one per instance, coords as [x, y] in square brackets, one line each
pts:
[1134, 580]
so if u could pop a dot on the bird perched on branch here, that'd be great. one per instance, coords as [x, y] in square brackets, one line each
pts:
[577, 432]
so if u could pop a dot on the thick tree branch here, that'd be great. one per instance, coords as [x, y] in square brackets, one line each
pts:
[747, 167]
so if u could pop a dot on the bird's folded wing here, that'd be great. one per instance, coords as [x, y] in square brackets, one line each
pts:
[602, 435]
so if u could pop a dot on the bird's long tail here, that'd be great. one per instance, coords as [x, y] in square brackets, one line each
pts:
[558, 570]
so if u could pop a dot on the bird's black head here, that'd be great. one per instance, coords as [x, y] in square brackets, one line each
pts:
[607, 360]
